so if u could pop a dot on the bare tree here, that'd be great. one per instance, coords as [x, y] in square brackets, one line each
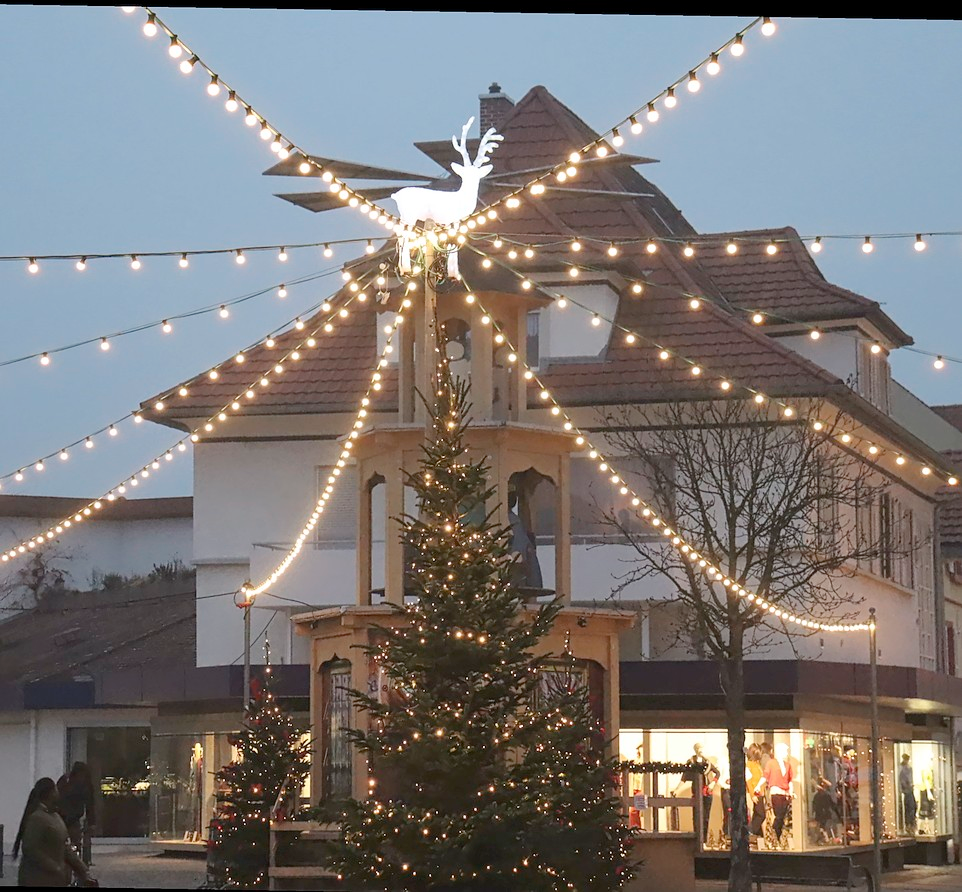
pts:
[775, 504]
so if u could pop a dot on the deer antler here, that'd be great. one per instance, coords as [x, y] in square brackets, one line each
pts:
[462, 147]
[489, 142]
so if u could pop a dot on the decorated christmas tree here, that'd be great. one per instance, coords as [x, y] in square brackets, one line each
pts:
[271, 751]
[486, 772]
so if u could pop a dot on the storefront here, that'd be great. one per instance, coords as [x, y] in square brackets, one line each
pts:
[805, 789]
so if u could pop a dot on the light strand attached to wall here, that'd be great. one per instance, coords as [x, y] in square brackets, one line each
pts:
[113, 429]
[166, 324]
[283, 147]
[866, 449]
[293, 354]
[251, 591]
[135, 259]
[528, 251]
[667, 99]
[705, 564]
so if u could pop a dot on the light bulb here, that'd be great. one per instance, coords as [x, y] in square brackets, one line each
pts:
[617, 140]
[224, 312]
[88, 443]
[713, 66]
[694, 85]
[276, 144]
[175, 50]
[328, 252]
[239, 258]
[634, 125]
[867, 246]
[266, 132]
[44, 359]
[596, 320]
[815, 334]
[81, 264]
[231, 103]
[183, 263]
[150, 26]
[134, 262]
[282, 292]
[670, 100]
[876, 347]
[731, 247]
[771, 249]
[213, 88]
[112, 431]
[738, 47]
[652, 113]
[768, 27]
[369, 248]
[166, 327]
[689, 250]
[939, 362]
[187, 66]
[920, 243]
[64, 455]
[282, 255]
[104, 344]
[817, 245]
[33, 267]
[250, 119]
[651, 247]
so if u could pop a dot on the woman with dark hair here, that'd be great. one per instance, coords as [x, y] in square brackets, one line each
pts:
[47, 856]
[77, 806]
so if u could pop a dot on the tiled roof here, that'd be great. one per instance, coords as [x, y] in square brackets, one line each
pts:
[788, 285]
[951, 413]
[950, 511]
[121, 509]
[150, 628]
[539, 131]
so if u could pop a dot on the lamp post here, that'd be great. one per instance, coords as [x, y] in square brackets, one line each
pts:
[876, 790]
[245, 604]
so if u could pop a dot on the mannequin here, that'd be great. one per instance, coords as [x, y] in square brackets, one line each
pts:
[753, 785]
[701, 777]
[778, 775]
[927, 804]
[907, 791]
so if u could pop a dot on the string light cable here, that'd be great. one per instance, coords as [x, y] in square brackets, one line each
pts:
[283, 147]
[667, 99]
[240, 254]
[701, 562]
[528, 250]
[872, 451]
[293, 354]
[113, 429]
[251, 591]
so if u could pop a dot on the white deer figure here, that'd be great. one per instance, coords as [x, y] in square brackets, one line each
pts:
[416, 203]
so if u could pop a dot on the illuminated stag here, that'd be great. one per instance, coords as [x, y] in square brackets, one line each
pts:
[415, 203]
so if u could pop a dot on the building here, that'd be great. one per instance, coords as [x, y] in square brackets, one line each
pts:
[259, 477]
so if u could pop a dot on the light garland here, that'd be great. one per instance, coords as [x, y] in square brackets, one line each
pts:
[250, 591]
[528, 250]
[207, 427]
[650, 516]
[871, 451]
[600, 148]
[181, 390]
[281, 146]
[82, 261]
[166, 324]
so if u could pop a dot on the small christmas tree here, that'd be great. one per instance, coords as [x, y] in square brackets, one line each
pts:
[479, 780]
[271, 750]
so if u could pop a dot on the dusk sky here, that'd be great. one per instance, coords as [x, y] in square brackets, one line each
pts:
[830, 126]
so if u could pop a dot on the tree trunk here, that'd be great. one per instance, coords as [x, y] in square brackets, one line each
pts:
[733, 682]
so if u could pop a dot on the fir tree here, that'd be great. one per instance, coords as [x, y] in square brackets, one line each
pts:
[477, 782]
[271, 751]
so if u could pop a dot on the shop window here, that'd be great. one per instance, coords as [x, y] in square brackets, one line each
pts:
[119, 763]
[923, 779]
[336, 747]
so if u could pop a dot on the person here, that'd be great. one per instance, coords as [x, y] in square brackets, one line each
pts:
[753, 783]
[76, 791]
[907, 789]
[48, 859]
[826, 813]
[701, 774]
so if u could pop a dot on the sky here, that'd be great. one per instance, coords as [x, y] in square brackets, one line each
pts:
[831, 126]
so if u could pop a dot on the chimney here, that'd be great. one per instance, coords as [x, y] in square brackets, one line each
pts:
[495, 106]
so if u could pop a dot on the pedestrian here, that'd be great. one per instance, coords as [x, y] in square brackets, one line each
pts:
[48, 859]
[77, 807]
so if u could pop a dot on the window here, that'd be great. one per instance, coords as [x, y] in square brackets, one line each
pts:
[337, 752]
[533, 346]
[827, 509]
[873, 376]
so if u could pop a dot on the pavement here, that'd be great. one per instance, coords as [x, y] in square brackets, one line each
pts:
[910, 879]
[141, 869]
